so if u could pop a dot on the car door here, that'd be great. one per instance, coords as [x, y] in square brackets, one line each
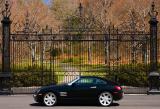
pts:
[84, 88]
[101, 85]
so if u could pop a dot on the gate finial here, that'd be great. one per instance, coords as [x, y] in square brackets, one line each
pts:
[80, 9]
[26, 24]
[6, 12]
[153, 13]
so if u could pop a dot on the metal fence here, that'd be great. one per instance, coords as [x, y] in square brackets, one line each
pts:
[60, 58]
[32, 59]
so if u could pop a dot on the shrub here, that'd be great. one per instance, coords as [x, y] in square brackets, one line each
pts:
[54, 52]
[28, 79]
[127, 74]
[72, 60]
[131, 74]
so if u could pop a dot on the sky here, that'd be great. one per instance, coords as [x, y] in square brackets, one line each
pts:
[47, 1]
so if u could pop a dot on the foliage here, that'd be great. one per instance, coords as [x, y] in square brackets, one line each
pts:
[72, 60]
[26, 67]
[133, 13]
[62, 8]
[55, 52]
[28, 79]
[131, 74]
[127, 74]
[135, 75]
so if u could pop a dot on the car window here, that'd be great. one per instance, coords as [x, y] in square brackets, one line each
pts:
[85, 81]
[100, 81]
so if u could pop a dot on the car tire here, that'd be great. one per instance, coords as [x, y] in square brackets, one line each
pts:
[105, 99]
[50, 99]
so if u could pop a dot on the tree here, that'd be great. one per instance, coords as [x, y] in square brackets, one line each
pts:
[63, 8]
[99, 11]
[137, 21]
[30, 17]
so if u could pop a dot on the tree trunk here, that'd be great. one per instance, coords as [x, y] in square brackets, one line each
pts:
[33, 53]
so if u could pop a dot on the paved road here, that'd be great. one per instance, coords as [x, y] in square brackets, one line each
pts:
[129, 102]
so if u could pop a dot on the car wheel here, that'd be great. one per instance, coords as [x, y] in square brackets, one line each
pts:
[50, 99]
[105, 99]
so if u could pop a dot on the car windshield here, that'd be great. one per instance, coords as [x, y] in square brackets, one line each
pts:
[73, 81]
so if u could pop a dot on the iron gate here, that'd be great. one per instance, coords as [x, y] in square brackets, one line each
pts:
[38, 58]
[59, 58]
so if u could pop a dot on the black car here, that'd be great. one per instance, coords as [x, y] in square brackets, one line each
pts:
[82, 88]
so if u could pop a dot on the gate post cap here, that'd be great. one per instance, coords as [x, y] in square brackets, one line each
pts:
[153, 13]
[6, 12]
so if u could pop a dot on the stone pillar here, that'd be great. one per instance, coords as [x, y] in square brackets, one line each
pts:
[153, 74]
[6, 70]
[6, 45]
[6, 22]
